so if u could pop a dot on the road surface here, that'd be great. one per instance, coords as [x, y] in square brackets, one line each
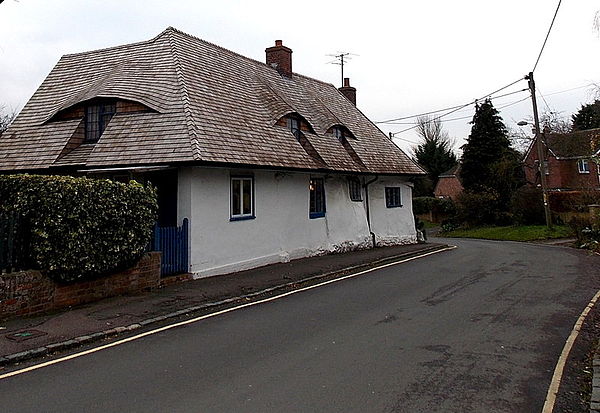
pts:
[476, 329]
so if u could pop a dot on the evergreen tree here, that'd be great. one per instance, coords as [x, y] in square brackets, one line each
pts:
[588, 117]
[489, 164]
[434, 153]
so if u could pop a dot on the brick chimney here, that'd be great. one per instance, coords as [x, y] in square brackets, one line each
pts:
[280, 58]
[348, 91]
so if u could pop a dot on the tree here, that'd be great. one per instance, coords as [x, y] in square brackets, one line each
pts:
[434, 153]
[489, 164]
[588, 117]
[6, 118]
[552, 122]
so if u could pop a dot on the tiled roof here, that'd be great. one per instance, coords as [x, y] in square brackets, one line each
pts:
[208, 104]
[578, 144]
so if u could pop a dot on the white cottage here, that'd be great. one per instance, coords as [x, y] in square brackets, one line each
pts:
[266, 165]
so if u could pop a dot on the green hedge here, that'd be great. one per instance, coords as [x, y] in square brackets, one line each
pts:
[426, 204]
[81, 228]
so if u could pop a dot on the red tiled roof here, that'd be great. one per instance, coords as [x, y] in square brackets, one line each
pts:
[208, 105]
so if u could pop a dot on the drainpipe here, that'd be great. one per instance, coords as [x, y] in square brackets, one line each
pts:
[366, 186]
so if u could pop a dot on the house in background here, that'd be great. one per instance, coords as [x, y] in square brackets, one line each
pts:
[265, 164]
[569, 157]
[449, 185]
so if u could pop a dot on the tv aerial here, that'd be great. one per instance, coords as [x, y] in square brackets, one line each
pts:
[341, 58]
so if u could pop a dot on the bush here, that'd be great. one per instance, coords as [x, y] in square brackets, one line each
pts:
[426, 204]
[587, 236]
[527, 206]
[573, 201]
[481, 208]
[80, 227]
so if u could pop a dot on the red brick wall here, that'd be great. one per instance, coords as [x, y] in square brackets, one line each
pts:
[563, 173]
[30, 292]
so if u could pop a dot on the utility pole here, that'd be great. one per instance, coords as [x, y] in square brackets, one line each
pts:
[540, 150]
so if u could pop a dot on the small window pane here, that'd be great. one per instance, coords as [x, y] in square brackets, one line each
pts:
[235, 197]
[247, 197]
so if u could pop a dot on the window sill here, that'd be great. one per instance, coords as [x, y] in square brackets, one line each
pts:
[394, 206]
[313, 215]
[241, 218]
[584, 172]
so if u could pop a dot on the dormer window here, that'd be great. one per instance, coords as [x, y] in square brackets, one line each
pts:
[97, 116]
[340, 132]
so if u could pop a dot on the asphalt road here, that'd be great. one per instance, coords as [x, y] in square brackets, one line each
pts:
[476, 329]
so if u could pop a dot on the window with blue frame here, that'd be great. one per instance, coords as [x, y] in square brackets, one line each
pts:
[97, 117]
[393, 196]
[242, 198]
[317, 198]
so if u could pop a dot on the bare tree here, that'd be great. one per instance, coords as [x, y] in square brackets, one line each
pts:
[597, 22]
[6, 117]
[550, 122]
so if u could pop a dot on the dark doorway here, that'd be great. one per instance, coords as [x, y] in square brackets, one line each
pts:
[165, 182]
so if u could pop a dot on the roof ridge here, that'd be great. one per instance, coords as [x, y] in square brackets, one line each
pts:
[185, 100]
[121, 46]
[241, 55]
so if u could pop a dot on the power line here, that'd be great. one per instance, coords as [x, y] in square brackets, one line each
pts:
[539, 92]
[451, 108]
[465, 117]
[488, 95]
[547, 35]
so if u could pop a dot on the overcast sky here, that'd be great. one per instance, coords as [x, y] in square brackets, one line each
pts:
[411, 56]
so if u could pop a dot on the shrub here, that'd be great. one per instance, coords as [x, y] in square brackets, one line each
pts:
[426, 204]
[527, 206]
[80, 227]
[481, 208]
[587, 235]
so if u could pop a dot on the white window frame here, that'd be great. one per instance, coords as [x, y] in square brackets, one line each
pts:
[583, 166]
[241, 215]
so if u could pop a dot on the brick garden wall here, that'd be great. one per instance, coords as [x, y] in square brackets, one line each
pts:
[30, 292]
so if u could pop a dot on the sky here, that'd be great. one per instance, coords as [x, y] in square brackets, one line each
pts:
[409, 57]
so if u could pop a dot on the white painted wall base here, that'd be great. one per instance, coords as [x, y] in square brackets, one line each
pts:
[282, 230]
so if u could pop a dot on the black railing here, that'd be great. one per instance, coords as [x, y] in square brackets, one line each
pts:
[15, 251]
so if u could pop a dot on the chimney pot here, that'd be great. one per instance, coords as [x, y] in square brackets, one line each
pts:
[280, 57]
[348, 91]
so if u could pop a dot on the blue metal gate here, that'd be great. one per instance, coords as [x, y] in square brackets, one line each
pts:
[172, 242]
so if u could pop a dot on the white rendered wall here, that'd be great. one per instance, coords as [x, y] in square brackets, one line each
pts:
[282, 229]
[392, 226]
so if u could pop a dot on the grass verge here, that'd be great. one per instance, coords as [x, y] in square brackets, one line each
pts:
[513, 233]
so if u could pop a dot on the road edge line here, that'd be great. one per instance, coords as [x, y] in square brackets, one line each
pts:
[217, 313]
[560, 365]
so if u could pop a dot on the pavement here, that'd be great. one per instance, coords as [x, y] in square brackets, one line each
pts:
[25, 338]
